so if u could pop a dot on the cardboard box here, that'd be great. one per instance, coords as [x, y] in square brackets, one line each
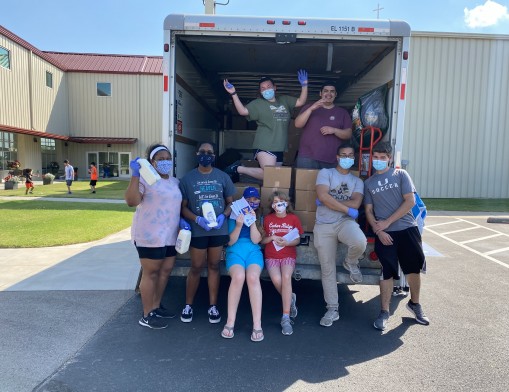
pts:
[305, 200]
[241, 186]
[265, 195]
[307, 219]
[305, 179]
[277, 177]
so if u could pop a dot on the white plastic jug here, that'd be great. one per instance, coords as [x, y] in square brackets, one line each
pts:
[147, 171]
[183, 241]
[209, 213]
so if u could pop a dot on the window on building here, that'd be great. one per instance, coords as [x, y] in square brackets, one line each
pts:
[49, 156]
[49, 79]
[5, 58]
[103, 89]
[8, 149]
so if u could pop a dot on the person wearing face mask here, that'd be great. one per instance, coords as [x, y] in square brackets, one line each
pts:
[340, 195]
[280, 260]
[389, 199]
[205, 184]
[154, 231]
[272, 114]
[244, 262]
[325, 127]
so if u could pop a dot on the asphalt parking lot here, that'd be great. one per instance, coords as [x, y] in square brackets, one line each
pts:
[89, 340]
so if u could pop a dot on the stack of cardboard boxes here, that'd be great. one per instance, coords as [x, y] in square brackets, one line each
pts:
[305, 197]
[275, 178]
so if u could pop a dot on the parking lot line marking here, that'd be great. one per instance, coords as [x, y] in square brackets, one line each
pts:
[481, 238]
[460, 230]
[468, 248]
[443, 223]
[496, 251]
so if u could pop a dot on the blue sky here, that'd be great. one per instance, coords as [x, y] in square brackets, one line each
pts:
[135, 26]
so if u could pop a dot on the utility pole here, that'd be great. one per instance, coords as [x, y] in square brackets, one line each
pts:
[210, 7]
[378, 9]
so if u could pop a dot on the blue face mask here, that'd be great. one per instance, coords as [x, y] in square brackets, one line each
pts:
[268, 94]
[346, 163]
[164, 167]
[379, 165]
[254, 205]
[206, 159]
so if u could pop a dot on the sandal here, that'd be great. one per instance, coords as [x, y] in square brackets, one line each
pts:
[257, 335]
[227, 332]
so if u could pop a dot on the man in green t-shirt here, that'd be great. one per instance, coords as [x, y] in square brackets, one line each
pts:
[272, 115]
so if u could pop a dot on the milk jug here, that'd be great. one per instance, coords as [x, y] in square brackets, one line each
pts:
[183, 241]
[209, 213]
[147, 171]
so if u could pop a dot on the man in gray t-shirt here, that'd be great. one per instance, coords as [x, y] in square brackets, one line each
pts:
[340, 196]
[389, 198]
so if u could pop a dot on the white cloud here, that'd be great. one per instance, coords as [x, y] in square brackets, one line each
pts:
[486, 15]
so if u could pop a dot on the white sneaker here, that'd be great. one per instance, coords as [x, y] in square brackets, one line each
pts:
[329, 317]
[355, 272]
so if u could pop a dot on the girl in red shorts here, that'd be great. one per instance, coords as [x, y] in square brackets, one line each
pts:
[280, 253]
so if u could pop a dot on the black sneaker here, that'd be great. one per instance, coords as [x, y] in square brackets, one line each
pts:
[187, 314]
[232, 169]
[416, 309]
[214, 316]
[152, 321]
[162, 312]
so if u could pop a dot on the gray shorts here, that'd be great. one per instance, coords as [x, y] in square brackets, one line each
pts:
[68, 182]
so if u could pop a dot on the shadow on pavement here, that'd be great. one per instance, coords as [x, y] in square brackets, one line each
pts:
[123, 356]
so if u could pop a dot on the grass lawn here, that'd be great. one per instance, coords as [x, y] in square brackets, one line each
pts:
[34, 224]
[471, 205]
[107, 189]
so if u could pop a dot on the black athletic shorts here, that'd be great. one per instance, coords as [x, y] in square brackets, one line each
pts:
[156, 253]
[212, 241]
[278, 154]
[406, 249]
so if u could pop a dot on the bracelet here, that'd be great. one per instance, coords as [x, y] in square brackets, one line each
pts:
[234, 93]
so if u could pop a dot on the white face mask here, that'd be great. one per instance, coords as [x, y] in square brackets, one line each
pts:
[280, 207]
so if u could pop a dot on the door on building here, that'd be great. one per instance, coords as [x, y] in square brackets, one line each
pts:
[112, 164]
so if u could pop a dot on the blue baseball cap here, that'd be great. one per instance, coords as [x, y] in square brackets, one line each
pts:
[251, 192]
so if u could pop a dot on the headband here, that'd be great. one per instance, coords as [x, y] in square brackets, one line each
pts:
[156, 150]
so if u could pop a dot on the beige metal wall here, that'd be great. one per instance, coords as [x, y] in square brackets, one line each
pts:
[50, 111]
[457, 118]
[14, 87]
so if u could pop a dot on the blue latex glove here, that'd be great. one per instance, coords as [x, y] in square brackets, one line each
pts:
[184, 225]
[318, 202]
[229, 85]
[203, 223]
[135, 167]
[220, 221]
[352, 212]
[303, 77]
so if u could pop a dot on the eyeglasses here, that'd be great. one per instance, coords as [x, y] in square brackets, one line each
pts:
[346, 155]
[206, 152]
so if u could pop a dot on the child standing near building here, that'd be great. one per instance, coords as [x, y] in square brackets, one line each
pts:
[93, 176]
[280, 253]
[29, 183]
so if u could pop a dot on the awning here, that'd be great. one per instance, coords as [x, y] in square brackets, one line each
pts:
[73, 139]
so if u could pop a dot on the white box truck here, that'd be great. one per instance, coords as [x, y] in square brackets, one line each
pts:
[202, 50]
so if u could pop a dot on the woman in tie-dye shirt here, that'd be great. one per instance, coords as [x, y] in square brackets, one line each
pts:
[154, 231]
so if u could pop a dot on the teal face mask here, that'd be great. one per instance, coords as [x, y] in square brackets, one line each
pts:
[379, 165]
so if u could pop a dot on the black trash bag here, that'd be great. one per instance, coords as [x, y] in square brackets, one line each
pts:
[370, 110]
